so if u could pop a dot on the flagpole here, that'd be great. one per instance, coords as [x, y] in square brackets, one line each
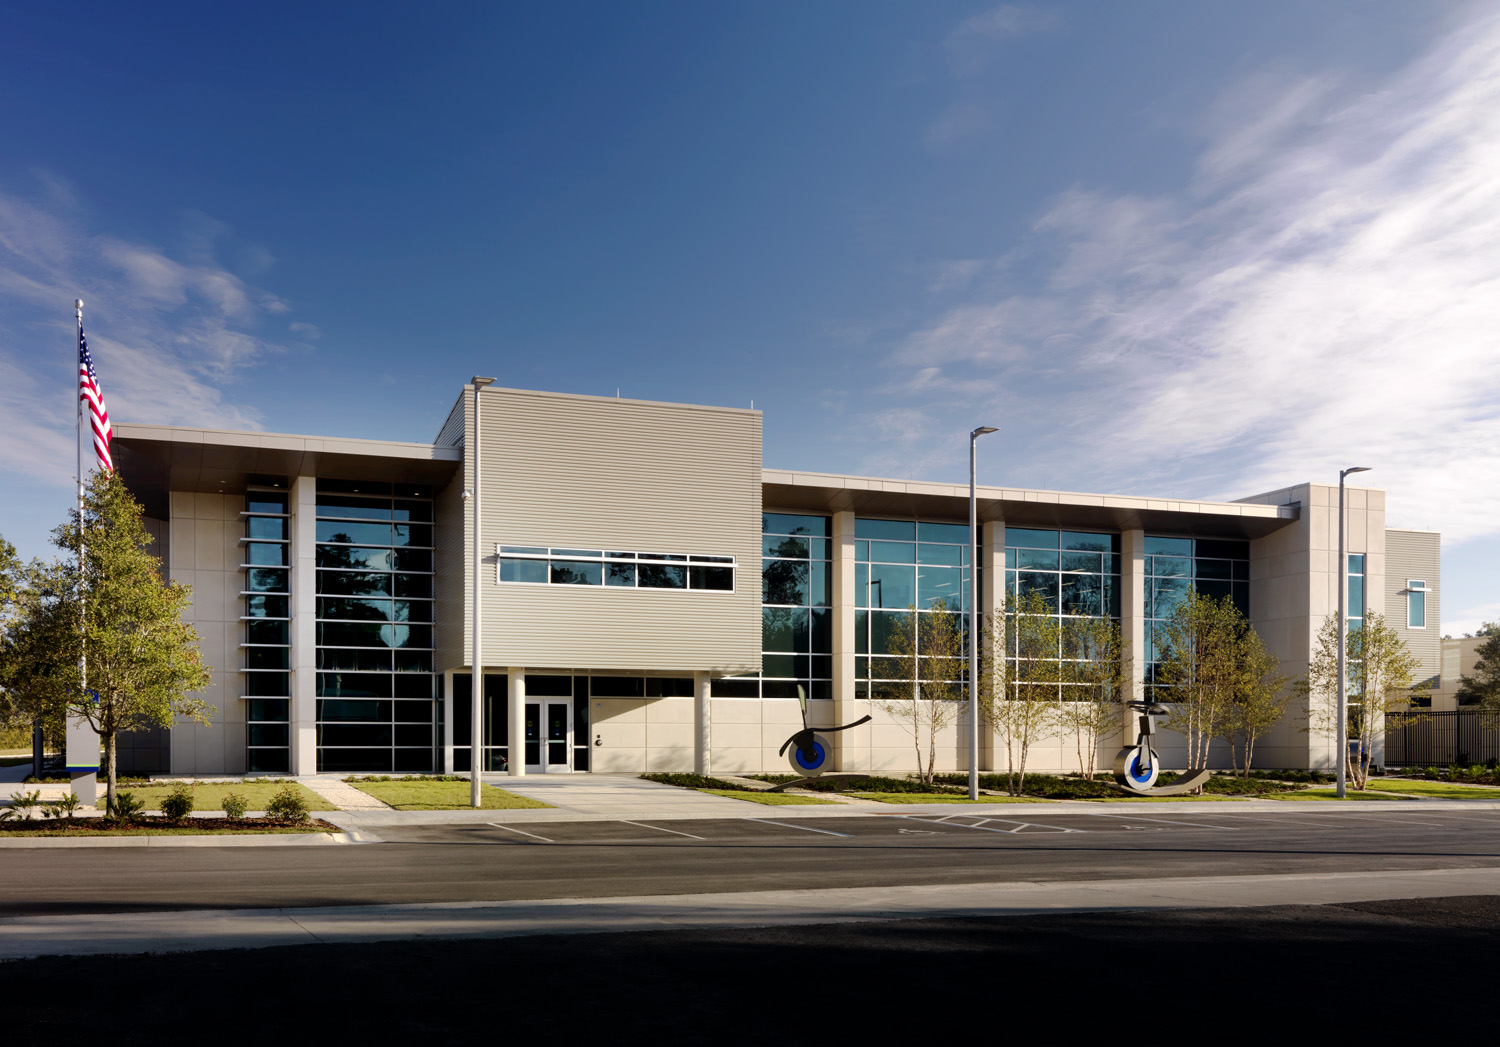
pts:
[80, 742]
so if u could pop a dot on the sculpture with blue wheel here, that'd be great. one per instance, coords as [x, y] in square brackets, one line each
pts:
[1136, 766]
[809, 751]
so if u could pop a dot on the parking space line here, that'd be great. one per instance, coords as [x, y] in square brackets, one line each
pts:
[658, 828]
[955, 825]
[1164, 821]
[523, 832]
[808, 828]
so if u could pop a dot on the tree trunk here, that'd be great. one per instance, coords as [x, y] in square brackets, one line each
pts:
[109, 772]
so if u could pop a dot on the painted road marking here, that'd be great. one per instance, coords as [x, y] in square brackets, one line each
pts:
[658, 828]
[523, 832]
[808, 828]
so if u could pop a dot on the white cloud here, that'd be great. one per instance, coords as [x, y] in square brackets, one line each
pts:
[973, 41]
[1325, 292]
[167, 333]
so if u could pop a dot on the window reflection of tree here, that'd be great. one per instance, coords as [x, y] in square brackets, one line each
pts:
[785, 581]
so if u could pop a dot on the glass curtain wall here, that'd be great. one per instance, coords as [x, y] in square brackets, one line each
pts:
[375, 706]
[266, 646]
[1216, 568]
[903, 567]
[796, 611]
[1075, 573]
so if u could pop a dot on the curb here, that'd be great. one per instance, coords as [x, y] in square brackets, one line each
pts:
[206, 840]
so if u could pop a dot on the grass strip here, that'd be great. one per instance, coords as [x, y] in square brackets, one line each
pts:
[428, 795]
[1332, 794]
[769, 799]
[209, 796]
[97, 828]
[941, 798]
[1443, 790]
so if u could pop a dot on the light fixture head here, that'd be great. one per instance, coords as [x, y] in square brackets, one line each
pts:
[468, 494]
[1354, 469]
[984, 430]
[480, 383]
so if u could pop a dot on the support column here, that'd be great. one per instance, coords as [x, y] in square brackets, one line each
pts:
[303, 530]
[445, 743]
[515, 701]
[1133, 619]
[702, 722]
[851, 749]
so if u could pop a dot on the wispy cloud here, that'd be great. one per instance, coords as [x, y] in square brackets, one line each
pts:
[972, 43]
[1325, 291]
[167, 332]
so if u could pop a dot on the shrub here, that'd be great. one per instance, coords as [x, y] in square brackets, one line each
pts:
[287, 805]
[234, 806]
[64, 806]
[178, 803]
[127, 807]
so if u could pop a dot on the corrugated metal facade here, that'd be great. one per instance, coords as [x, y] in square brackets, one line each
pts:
[599, 473]
[1415, 555]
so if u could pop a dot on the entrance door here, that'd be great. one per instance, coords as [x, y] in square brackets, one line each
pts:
[549, 735]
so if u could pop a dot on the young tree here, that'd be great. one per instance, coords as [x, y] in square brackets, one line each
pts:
[1198, 669]
[1259, 700]
[922, 677]
[1380, 670]
[1099, 679]
[1484, 686]
[141, 659]
[1020, 676]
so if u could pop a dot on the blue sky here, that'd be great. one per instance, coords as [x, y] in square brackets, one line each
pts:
[1199, 250]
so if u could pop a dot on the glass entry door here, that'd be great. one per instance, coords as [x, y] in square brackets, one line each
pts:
[549, 735]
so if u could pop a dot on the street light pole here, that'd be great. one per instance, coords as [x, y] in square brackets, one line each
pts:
[1343, 629]
[476, 669]
[974, 611]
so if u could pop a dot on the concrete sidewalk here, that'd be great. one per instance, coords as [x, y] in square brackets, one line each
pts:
[156, 932]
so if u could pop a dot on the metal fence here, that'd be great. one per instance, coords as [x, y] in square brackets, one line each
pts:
[1464, 736]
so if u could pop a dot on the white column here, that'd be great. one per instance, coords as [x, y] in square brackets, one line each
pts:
[446, 741]
[303, 530]
[1133, 620]
[851, 749]
[515, 700]
[702, 722]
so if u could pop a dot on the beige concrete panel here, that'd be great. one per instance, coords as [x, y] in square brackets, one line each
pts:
[208, 506]
[732, 711]
[619, 735]
[669, 759]
[676, 737]
[619, 710]
[209, 593]
[734, 736]
[630, 759]
[669, 711]
[734, 759]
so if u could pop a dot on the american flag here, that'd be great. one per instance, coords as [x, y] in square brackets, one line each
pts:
[88, 392]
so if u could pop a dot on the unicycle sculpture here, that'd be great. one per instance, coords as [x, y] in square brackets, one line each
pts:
[809, 751]
[1136, 766]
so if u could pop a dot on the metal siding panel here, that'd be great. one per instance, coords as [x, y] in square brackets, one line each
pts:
[590, 472]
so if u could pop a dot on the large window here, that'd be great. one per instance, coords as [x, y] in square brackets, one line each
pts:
[1074, 574]
[374, 634]
[903, 567]
[1416, 603]
[796, 611]
[1212, 567]
[602, 568]
[266, 646]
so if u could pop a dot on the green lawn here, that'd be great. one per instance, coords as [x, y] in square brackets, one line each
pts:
[1441, 790]
[209, 796]
[943, 798]
[770, 799]
[1332, 794]
[443, 796]
[1205, 798]
[203, 827]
